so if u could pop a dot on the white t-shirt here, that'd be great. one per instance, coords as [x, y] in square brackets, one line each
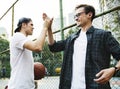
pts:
[21, 61]
[79, 56]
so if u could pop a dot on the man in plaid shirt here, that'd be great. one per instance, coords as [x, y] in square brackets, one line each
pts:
[86, 61]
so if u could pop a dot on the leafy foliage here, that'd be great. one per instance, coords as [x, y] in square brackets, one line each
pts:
[71, 31]
[4, 45]
[4, 56]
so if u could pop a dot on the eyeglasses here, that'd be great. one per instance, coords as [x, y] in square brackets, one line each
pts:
[78, 14]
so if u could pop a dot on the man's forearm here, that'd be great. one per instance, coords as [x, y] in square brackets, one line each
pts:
[50, 37]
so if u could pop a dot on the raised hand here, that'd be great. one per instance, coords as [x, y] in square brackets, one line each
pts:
[47, 21]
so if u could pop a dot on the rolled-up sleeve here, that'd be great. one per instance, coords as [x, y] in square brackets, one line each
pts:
[113, 45]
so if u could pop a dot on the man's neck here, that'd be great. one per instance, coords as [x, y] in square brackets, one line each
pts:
[23, 32]
[85, 28]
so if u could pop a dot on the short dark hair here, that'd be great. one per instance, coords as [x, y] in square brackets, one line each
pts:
[87, 8]
[22, 20]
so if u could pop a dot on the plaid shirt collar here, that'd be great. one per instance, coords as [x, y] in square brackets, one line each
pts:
[90, 30]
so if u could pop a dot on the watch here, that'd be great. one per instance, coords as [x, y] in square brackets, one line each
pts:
[116, 69]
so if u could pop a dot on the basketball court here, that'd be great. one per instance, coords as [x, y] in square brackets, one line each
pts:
[45, 83]
[53, 83]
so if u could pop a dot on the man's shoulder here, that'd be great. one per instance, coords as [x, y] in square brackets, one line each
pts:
[101, 31]
[18, 36]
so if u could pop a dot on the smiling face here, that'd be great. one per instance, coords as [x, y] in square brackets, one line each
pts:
[81, 18]
[84, 15]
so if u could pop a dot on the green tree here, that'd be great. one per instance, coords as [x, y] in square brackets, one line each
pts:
[71, 31]
[4, 55]
[111, 21]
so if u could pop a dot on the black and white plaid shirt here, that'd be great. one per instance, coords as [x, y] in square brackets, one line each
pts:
[101, 45]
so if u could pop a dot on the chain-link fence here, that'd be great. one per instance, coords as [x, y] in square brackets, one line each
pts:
[109, 20]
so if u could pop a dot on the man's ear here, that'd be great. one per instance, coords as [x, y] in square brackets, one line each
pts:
[23, 24]
[90, 14]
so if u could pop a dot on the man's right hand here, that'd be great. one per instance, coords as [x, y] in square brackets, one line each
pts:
[47, 21]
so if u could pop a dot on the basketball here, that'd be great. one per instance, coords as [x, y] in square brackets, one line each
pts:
[39, 70]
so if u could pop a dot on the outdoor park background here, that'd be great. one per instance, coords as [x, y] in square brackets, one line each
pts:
[107, 17]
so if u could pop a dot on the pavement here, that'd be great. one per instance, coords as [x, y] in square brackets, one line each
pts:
[53, 83]
[3, 82]
[45, 83]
